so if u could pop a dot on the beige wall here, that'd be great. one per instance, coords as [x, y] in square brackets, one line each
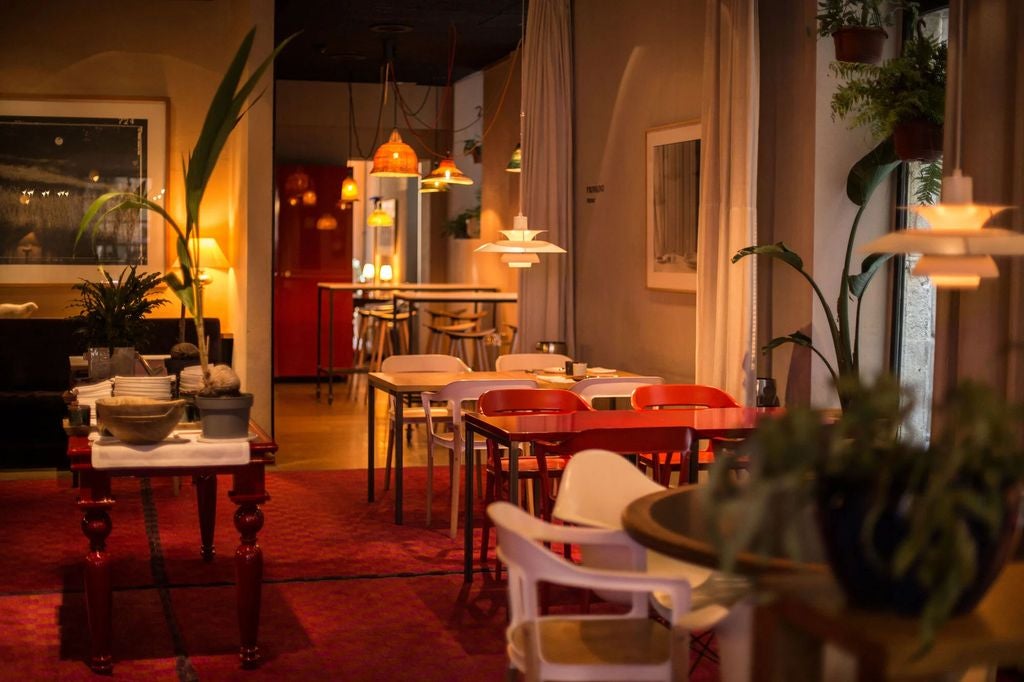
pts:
[634, 70]
[177, 50]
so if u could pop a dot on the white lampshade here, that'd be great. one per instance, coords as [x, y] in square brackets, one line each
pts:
[368, 272]
[956, 272]
[386, 273]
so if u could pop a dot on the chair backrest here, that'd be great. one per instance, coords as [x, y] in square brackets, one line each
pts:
[654, 439]
[464, 390]
[511, 362]
[427, 362]
[611, 387]
[692, 396]
[530, 401]
[596, 487]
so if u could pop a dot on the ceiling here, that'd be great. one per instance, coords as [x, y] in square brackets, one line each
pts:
[348, 40]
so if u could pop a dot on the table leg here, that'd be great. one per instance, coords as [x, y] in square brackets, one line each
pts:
[513, 472]
[330, 347]
[96, 502]
[467, 566]
[319, 331]
[693, 459]
[399, 455]
[206, 501]
[370, 437]
[248, 493]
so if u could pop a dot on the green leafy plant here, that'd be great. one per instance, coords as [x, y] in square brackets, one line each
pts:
[458, 227]
[907, 88]
[948, 500]
[836, 14]
[111, 310]
[843, 323]
[226, 109]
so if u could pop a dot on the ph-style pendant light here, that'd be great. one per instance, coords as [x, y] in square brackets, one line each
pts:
[956, 252]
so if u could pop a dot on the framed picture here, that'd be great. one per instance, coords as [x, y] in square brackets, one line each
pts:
[56, 157]
[673, 206]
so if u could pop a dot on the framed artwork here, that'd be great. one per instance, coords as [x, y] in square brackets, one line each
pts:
[57, 156]
[673, 206]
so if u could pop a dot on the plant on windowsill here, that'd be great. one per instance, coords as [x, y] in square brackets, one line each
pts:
[856, 27]
[226, 109]
[921, 531]
[462, 225]
[905, 97]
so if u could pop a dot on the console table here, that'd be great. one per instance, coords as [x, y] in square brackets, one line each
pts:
[248, 492]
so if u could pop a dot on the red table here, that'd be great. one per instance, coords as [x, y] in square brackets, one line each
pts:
[248, 492]
[507, 430]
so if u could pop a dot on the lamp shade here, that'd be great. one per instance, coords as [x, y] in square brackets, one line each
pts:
[395, 159]
[368, 272]
[520, 260]
[379, 218]
[449, 173]
[430, 186]
[211, 255]
[515, 164]
[326, 222]
[386, 273]
[349, 190]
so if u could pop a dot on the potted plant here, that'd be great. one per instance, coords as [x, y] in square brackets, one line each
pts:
[111, 312]
[905, 97]
[226, 110]
[463, 226]
[843, 319]
[473, 147]
[919, 530]
[856, 27]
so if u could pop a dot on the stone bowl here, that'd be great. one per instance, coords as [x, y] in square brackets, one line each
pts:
[137, 420]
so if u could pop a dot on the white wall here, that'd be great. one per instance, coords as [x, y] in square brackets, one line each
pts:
[634, 70]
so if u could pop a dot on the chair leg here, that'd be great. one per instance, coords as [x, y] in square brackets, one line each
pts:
[455, 469]
[485, 530]
[479, 474]
[391, 449]
[430, 476]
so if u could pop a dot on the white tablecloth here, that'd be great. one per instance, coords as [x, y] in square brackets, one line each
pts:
[180, 449]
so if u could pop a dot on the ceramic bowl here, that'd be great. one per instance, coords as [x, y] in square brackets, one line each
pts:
[138, 420]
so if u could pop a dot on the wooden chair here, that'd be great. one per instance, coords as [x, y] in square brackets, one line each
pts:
[629, 646]
[454, 396]
[415, 414]
[680, 397]
[511, 362]
[513, 401]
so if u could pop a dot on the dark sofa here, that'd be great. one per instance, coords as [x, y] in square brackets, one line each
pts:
[35, 372]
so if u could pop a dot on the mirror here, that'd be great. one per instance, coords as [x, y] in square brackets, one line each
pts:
[673, 201]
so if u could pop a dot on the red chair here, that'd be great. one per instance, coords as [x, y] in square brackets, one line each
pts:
[679, 397]
[515, 401]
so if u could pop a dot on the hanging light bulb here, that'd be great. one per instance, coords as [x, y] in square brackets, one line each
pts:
[449, 173]
[515, 164]
[379, 217]
[309, 198]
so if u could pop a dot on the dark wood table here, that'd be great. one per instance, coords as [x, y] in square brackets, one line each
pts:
[248, 492]
[801, 607]
[509, 430]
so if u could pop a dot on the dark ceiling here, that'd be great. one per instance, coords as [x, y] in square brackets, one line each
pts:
[348, 40]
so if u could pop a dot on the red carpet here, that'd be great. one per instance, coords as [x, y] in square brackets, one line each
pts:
[348, 595]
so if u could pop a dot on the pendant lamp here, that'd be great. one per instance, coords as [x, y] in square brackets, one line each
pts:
[448, 173]
[957, 251]
[515, 164]
[431, 186]
[395, 159]
[326, 222]
[379, 217]
[349, 192]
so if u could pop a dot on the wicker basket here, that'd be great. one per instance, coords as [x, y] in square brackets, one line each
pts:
[138, 420]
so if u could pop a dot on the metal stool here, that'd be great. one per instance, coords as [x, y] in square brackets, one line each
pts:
[476, 337]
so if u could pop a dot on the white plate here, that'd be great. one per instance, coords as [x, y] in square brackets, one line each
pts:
[600, 370]
[556, 379]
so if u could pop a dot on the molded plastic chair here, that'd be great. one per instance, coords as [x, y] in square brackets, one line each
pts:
[512, 362]
[597, 486]
[680, 396]
[454, 395]
[512, 401]
[394, 364]
[612, 387]
[629, 646]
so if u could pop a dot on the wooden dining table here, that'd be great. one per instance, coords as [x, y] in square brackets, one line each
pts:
[511, 430]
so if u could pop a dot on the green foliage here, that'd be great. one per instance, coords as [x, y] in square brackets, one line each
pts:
[111, 311]
[948, 492]
[836, 14]
[458, 227]
[226, 109]
[864, 178]
[909, 87]
[927, 183]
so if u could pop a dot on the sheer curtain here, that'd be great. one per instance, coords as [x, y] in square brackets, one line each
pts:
[545, 290]
[726, 345]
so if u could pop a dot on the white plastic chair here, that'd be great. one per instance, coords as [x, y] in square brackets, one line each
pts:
[512, 362]
[395, 364]
[454, 395]
[611, 387]
[629, 646]
[597, 485]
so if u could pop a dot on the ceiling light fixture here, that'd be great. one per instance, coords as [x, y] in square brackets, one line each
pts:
[515, 164]
[448, 173]
[957, 251]
[379, 217]
[394, 158]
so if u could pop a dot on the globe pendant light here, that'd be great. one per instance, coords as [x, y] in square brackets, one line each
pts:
[349, 192]
[449, 173]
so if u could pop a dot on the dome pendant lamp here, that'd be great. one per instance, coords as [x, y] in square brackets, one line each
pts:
[448, 173]
[395, 159]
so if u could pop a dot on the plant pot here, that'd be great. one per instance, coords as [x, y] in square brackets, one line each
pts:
[225, 416]
[859, 44]
[917, 140]
[867, 581]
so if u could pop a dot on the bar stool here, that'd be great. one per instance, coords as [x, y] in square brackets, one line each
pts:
[476, 338]
[437, 335]
[384, 322]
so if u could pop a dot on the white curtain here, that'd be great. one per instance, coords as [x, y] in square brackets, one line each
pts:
[545, 290]
[726, 345]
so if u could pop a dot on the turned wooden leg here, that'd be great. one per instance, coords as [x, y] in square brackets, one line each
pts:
[248, 493]
[96, 526]
[206, 501]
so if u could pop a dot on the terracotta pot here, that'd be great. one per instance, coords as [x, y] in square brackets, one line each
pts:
[917, 140]
[859, 44]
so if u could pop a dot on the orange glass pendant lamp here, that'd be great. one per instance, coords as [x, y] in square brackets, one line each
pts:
[395, 159]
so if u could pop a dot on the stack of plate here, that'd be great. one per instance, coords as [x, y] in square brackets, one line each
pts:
[158, 388]
[191, 379]
[87, 394]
